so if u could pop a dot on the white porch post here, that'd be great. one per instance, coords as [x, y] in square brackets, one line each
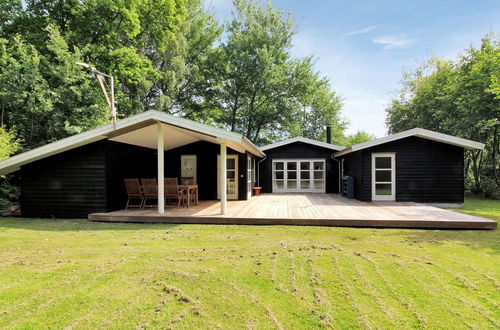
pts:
[161, 167]
[223, 179]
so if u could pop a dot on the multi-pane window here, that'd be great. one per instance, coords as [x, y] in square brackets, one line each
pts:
[302, 175]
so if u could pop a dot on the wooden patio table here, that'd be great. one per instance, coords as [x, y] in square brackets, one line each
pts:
[190, 189]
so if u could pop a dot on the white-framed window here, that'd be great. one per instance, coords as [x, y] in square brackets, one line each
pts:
[188, 169]
[231, 176]
[384, 176]
[298, 175]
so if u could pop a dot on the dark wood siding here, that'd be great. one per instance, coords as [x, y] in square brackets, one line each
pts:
[353, 167]
[298, 150]
[89, 179]
[206, 159]
[242, 176]
[126, 161]
[426, 171]
[68, 185]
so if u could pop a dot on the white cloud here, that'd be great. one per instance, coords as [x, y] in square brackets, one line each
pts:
[362, 31]
[394, 41]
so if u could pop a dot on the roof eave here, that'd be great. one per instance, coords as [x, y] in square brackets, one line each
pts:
[107, 131]
[303, 140]
[418, 132]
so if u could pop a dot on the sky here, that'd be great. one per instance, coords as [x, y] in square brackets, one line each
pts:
[364, 46]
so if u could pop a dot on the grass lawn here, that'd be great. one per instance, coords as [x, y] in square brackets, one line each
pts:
[77, 274]
[480, 207]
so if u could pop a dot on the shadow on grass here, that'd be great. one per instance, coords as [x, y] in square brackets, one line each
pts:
[40, 224]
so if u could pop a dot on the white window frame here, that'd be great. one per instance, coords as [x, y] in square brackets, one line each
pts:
[236, 193]
[392, 196]
[195, 177]
[285, 188]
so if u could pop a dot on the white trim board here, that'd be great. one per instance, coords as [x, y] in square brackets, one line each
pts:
[392, 196]
[418, 132]
[303, 140]
[298, 178]
[233, 140]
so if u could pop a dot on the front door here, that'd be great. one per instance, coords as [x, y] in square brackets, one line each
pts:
[383, 176]
[231, 176]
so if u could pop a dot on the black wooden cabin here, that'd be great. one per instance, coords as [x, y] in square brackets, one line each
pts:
[84, 174]
[89, 179]
[425, 171]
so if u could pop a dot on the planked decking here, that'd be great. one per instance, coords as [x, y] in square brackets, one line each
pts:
[306, 209]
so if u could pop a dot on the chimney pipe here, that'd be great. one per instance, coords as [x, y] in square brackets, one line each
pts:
[329, 134]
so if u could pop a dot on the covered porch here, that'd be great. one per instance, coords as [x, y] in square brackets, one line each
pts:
[175, 141]
[306, 209]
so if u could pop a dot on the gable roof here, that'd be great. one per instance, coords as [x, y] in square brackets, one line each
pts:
[418, 132]
[303, 140]
[136, 130]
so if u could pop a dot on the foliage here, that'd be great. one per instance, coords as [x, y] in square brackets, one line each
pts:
[262, 91]
[8, 146]
[8, 143]
[46, 97]
[117, 37]
[358, 137]
[168, 55]
[459, 99]
[185, 84]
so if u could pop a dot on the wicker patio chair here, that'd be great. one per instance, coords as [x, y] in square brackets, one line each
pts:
[173, 192]
[150, 190]
[134, 192]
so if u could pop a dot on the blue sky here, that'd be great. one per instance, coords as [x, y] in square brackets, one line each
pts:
[363, 47]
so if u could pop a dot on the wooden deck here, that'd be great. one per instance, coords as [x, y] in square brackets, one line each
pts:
[306, 209]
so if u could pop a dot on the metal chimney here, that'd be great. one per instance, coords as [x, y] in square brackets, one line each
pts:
[329, 134]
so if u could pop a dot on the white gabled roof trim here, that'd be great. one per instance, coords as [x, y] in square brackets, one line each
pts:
[418, 132]
[14, 163]
[303, 140]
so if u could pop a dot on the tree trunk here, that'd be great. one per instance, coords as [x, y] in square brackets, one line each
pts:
[1, 116]
[257, 132]
[494, 150]
[475, 170]
[234, 110]
[251, 113]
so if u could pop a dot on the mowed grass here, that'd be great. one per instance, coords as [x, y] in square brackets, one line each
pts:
[481, 207]
[78, 274]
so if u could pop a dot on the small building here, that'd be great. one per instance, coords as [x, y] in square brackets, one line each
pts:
[416, 165]
[84, 173]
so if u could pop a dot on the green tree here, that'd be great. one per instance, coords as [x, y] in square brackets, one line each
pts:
[10, 10]
[24, 93]
[459, 99]
[358, 137]
[46, 97]
[8, 143]
[184, 87]
[261, 90]
[121, 38]
[319, 106]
